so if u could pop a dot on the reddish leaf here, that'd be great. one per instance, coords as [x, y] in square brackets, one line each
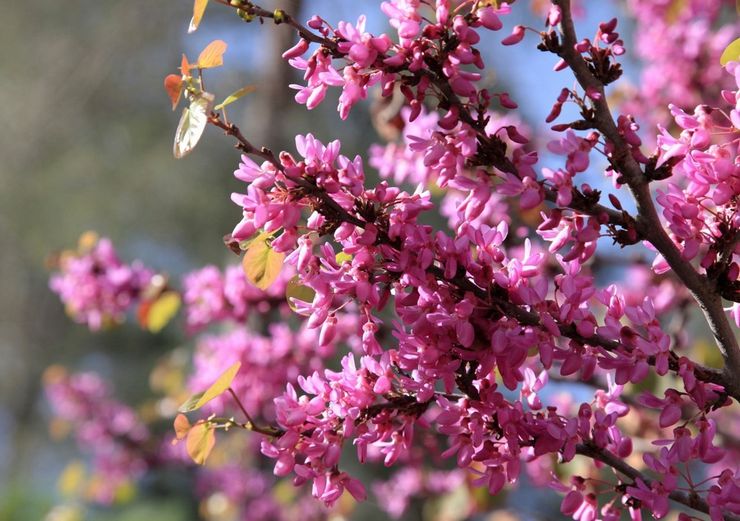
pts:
[185, 66]
[182, 426]
[173, 86]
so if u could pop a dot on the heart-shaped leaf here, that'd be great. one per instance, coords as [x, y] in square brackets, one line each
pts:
[262, 264]
[200, 442]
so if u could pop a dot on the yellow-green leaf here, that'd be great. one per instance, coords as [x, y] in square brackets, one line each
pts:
[192, 123]
[342, 257]
[124, 493]
[284, 492]
[731, 53]
[199, 7]
[87, 241]
[296, 290]
[219, 386]
[72, 479]
[162, 310]
[231, 98]
[192, 403]
[200, 442]
[262, 264]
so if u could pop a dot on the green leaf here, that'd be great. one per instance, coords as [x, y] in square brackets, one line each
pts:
[200, 442]
[219, 387]
[192, 123]
[231, 98]
[731, 53]
[342, 257]
[72, 479]
[296, 290]
[192, 403]
[262, 264]
[162, 310]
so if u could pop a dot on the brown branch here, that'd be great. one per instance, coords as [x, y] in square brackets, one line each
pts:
[646, 227]
[520, 314]
[647, 222]
[273, 432]
[693, 500]
[279, 16]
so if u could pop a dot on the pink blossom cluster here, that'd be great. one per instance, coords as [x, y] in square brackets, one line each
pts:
[679, 44]
[452, 343]
[212, 296]
[470, 307]
[446, 336]
[414, 482]
[96, 287]
[268, 362]
[110, 431]
[700, 200]
[372, 60]
[421, 158]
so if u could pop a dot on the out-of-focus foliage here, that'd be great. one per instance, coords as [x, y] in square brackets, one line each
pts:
[87, 145]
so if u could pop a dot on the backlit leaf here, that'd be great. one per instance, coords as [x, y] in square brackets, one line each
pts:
[162, 310]
[261, 263]
[173, 86]
[731, 53]
[296, 290]
[200, 442]
[199, 7]
[192, 123]
[219, 386]
[231, 98]
[212, 55]
[191, 403]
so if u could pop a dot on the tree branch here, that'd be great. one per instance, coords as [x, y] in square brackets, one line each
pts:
[519, 313]
[647, 222]
[690, 500]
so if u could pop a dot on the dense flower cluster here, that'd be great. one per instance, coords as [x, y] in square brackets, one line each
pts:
[268, 362]
[469, 307]
[700, 201]
[680, 44]
[96, 287]
[455, 341]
